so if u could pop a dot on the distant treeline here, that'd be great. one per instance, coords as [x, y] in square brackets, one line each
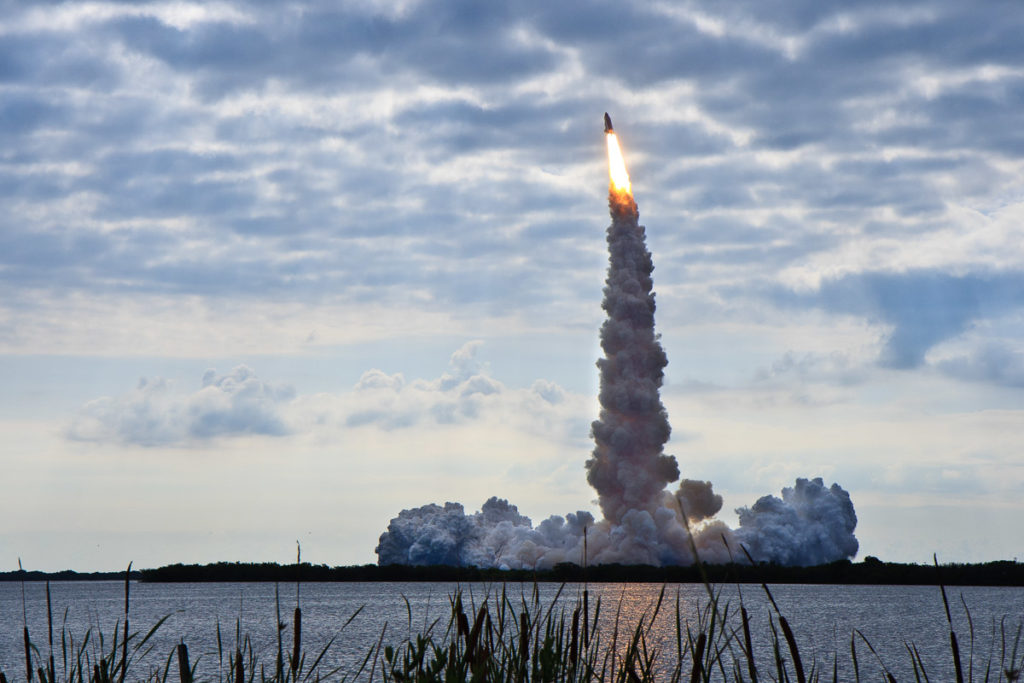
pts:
[67, 575]
[870, 571]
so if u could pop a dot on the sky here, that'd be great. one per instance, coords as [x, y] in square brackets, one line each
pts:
[273, 272]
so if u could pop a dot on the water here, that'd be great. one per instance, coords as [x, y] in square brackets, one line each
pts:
[823, 618]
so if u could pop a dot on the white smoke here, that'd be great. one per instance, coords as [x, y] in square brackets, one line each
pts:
[644, 523]
[810, 524]
[497, 536]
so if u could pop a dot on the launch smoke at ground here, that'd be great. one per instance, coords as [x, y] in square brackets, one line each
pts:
[643, 521]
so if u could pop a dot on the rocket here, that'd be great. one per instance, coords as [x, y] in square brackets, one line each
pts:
[608, 124]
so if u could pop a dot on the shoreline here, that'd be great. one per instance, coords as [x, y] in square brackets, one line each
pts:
[871, 571]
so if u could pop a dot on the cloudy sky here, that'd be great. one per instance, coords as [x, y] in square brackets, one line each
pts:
[275, 271]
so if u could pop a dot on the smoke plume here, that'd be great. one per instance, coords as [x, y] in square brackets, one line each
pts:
[697, 501]
[628, 468]
[643, 521]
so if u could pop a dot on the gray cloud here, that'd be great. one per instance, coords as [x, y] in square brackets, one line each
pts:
[923, 307]
[992, 363]
[317, 43]
[25, 114]
[235, 404]
[805, 369]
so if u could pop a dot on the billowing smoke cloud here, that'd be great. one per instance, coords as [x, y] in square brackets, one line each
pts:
[697, 501]
[810, 524]
[644, 523]
[497, 536]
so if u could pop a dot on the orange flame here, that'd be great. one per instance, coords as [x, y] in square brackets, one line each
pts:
[617, 166]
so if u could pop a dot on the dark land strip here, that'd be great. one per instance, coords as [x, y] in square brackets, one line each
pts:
[871, 571]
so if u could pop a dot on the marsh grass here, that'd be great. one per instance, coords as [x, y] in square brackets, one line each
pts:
[507, 637]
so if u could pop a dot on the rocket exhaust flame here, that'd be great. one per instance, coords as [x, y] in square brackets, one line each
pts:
[617, 166]
[644, 522]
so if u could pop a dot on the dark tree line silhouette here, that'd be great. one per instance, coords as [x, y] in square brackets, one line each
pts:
[870, 571]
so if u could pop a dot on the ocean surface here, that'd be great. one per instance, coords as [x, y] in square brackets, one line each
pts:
[823, 618]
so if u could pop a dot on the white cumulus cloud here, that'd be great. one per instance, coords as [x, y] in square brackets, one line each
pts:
[153, 414]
